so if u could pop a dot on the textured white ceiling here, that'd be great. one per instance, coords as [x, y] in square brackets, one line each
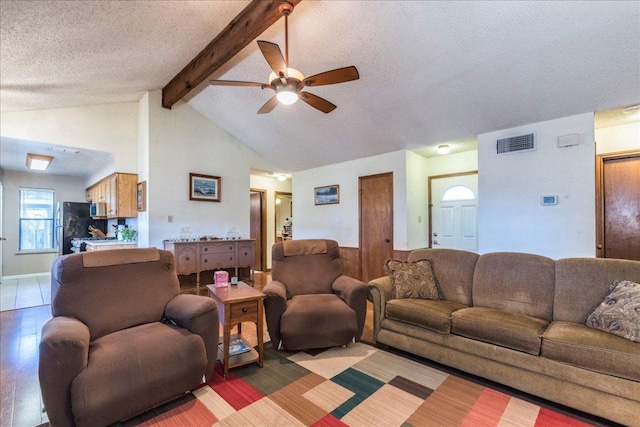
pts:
[429, 71]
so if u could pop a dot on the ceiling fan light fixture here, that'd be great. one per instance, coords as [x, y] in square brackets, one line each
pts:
[287, 95]
[38, 162]
[443, 149]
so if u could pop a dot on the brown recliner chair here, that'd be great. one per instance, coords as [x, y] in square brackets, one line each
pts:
[123, 339]
[310, 303]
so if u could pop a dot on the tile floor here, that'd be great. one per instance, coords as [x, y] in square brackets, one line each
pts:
[25, 292]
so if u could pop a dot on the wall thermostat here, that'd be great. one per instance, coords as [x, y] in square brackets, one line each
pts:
[549, 200]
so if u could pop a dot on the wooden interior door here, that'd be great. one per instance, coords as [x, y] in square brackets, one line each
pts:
[376, 224]
[257, 228]
[619, 206]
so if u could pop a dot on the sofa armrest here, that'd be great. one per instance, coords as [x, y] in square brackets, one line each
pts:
[354, 292]
[379, 294]
[275, 305]
[64, 353]
[199, 315]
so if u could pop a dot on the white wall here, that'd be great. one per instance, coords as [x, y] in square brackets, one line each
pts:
[110, 127]
[510, 215]
[67, 189]
[453, 163]
[618, 138]
[340, 221]
[143, 168]
[271, 185]
[182, 141]
[417, 201]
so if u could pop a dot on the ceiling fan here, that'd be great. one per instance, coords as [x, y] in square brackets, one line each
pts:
[289, 83]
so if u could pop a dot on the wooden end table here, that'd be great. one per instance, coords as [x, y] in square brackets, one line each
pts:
[236, 304]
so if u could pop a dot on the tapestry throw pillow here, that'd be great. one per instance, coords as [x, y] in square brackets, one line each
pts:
[412, 280]
[619, 313]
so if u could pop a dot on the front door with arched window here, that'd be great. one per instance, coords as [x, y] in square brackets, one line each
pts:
[455, 212]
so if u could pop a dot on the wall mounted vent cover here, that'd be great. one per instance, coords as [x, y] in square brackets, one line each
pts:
[516, 143]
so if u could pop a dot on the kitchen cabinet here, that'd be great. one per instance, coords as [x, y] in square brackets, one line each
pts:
[195, 257]
[118, 191]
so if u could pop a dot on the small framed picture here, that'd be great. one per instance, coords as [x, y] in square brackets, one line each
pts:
[141, 196]
[204, 187]
[327, 195]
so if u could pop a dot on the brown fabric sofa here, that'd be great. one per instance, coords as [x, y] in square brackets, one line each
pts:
[519, 319]
[122, 339]
[310, 303]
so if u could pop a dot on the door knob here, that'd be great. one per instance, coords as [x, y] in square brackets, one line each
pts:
[435, 234]
[435, 242]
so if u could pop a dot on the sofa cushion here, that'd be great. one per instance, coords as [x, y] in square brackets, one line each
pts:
[516, 331]
[515, 283]
[619, 313]
[434, 315]
[131, 370]
[589, 348]
[412, 279]
[453, 270]
[583, 283]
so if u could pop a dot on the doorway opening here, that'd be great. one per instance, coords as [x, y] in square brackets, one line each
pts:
[283, 216]
[258, 227]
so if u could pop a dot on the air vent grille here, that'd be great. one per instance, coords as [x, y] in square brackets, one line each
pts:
[516, 143]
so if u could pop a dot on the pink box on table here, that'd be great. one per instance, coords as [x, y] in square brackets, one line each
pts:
[221, 279]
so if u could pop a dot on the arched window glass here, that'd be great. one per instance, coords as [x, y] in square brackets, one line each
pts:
[458, 192]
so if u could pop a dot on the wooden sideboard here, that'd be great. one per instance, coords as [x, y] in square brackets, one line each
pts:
[195, 257]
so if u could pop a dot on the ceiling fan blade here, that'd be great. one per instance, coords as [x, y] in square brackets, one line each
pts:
[317, 102]
[273, 55]
[238, 83]
[269, 105]
[339, 75]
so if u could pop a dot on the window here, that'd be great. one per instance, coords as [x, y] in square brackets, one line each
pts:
[458, 192]
[36, 219]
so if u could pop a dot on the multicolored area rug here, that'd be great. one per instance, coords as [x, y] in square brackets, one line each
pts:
[358, 385]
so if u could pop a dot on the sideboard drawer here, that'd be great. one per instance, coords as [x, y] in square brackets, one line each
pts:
[217, 260]
[219, 247]
[245, 254]
[186, 258]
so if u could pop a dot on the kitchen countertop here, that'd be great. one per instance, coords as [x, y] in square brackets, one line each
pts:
[108, 242]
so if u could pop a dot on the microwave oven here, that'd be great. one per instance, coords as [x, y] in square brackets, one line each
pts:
[98, 209]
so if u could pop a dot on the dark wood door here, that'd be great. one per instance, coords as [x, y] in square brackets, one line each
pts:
[256, 228]
[621, 207]
[376, 224]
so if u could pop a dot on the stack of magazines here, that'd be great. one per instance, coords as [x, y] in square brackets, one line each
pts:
[236, 346]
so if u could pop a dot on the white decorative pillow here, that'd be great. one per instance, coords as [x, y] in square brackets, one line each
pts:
[619, 313]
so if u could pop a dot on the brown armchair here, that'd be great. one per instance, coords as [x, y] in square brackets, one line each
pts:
[122, 339]
[310, 303]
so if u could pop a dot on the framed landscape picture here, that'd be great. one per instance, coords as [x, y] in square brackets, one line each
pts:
[204, 187]
[327, 195]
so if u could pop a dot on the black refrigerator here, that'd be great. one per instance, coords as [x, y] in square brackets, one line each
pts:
[72, 222]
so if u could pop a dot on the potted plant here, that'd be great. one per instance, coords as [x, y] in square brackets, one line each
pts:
[128, 234]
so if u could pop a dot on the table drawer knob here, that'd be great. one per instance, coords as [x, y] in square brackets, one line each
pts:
[187, 258]
[244, 310]
[206, 249]
[206, 260]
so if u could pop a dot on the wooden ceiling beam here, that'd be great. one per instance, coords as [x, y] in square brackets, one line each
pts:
[242, 30]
